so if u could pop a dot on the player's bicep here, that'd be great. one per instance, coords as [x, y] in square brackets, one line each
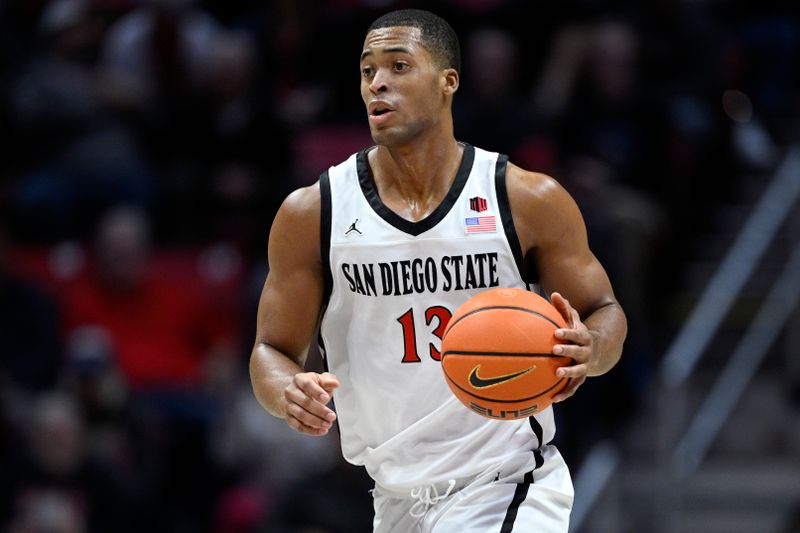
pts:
[553, 232]
[292, 295]
[567, 265]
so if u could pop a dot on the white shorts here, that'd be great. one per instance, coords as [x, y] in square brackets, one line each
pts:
[516, 496]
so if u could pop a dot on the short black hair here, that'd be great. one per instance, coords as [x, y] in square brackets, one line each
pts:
[438, 37]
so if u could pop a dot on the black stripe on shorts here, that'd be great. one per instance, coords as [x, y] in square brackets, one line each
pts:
[519, 496]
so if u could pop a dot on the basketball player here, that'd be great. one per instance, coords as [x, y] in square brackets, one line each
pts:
[380, 252]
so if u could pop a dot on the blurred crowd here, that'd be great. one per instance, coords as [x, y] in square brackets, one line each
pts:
[146, 145]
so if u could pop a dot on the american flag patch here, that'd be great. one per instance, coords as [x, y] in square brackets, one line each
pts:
[480, 224]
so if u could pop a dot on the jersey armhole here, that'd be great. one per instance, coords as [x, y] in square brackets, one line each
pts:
[325, 258]
[526, 270]
[325, 236]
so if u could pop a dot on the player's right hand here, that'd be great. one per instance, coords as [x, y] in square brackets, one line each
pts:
[306, 398]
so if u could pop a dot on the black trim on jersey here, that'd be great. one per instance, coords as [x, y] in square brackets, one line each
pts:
[526, 270]
[324, 354]
[321, 344]
[325, 236]
[537, 429]
[325, 259]
[539, 432]
[367, 181]
[537, 453]
[519, 496]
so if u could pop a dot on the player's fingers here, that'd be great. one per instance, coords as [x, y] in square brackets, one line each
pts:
[579, 353]
[329, 382]
[578, 336]
[570, 389]
[309, 383]
[302, 428]
[299, 397]
[297, 412]
[575, 318]
[573, 371]
[299, 426]
[562, 306]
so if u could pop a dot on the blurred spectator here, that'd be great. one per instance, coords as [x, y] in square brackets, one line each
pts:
[192, 92]
[30, 354]
[590, 92]
[766, 48]
[78, 159]
[490, 109]
[314, 504]
[91, 377]
[262, 459]
[55, 485]
[48, 511]
[160, 330]
[683, 48]
[173, 351]
[238, 150]
[153, 55]
[151, 64]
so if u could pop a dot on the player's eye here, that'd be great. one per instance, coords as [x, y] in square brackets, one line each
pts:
[399, 66]
[366, 72]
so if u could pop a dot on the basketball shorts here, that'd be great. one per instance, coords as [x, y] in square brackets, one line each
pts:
[516, 496]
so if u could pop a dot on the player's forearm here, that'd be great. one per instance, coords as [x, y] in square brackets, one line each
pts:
[270, 373]
[609, 328]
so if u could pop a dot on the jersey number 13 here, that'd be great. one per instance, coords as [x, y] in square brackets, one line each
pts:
[440, 314]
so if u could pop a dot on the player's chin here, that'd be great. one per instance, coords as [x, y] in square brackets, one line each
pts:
[389, 135]
[381, 136]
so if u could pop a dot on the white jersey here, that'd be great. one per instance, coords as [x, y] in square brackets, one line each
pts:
[391, 286]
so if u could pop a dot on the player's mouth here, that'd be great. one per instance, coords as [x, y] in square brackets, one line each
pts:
[379, 112]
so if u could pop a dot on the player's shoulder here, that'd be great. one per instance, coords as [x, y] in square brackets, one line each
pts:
[303, 202]
[543, 211]
[533, 189]
[295, 234]
[299, 215]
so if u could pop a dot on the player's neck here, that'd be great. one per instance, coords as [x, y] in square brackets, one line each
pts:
[413, 179]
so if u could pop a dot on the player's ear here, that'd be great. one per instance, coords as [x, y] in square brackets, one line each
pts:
[450, 81]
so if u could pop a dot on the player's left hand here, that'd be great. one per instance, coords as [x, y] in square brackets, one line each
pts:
[579, 345]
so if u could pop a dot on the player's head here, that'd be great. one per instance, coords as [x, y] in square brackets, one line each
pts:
[410, 69]
[437, 36]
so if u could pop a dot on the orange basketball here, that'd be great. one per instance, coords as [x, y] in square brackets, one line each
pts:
[497, 353]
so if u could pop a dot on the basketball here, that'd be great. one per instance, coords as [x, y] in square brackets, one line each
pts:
[497, 353]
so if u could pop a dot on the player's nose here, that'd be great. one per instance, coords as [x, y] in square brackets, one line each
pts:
[380, 82]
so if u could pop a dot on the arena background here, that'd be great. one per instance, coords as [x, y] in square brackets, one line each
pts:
[146, 145]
